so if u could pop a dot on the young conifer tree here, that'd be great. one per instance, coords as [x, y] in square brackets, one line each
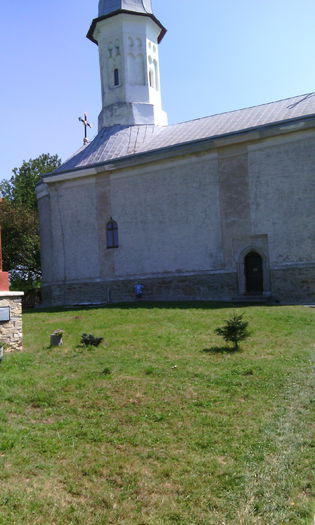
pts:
[234, 330]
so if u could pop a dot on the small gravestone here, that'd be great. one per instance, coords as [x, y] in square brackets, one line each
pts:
[56, 338]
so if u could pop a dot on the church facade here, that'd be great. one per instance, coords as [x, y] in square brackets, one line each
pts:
[219, 208]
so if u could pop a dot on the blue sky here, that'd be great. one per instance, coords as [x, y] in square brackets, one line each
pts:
[216, 57]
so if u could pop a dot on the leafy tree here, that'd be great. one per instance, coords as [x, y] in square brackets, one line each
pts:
[20, 189]
[234, 330]
[19, 220]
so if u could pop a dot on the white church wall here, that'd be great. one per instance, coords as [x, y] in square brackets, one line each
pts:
[282, 188]
[234, 202]
[75, 238]
[104, 215]
[169, 219]
[46, 236]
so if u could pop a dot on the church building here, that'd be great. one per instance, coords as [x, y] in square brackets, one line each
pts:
[218, 208]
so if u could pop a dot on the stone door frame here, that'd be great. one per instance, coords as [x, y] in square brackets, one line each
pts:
[241, 270]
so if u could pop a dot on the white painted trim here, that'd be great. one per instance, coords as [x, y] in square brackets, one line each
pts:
[296, 126]
[239, 137]
[11, 294]
[276, 140]
[70, 175]
[74, 183]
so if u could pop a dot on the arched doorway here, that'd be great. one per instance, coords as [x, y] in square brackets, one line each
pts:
[254, 277]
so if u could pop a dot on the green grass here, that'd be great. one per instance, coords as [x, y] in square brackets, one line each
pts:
[161, 424]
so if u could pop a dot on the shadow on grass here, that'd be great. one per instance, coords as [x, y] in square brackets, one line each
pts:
[220, 350]
[147, 305]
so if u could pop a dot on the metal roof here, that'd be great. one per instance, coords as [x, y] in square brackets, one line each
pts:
[119, 141]
[105, 7]
[109, 8]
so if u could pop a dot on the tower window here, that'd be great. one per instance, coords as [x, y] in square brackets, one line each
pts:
[116, 77]
[112, 234]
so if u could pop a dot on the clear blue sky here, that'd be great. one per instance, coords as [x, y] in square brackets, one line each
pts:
[216, 57]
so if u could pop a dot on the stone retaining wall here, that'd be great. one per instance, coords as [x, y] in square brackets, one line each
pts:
[11, 332]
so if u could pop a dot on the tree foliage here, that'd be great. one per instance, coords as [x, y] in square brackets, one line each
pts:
[19, 218]
[234, 330]
[20, 188]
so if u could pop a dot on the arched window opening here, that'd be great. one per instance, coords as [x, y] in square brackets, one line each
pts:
[110, 49]
[253, 265]
[117, 47]
[116, 77]
[139, 69]
[156, 71]
[151, 78]
[112, 234]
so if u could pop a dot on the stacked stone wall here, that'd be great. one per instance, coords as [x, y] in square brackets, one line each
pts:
[11, 332]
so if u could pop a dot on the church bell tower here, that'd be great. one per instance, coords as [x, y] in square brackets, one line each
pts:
[127, 34]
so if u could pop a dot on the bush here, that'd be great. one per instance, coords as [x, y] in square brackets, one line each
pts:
[234, 330]
[90, 340]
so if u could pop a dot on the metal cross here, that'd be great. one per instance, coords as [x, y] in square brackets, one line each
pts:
[86, 124]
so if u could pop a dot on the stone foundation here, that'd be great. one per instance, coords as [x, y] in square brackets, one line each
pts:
[288, 285]
[296, 285]
[11, 332]
[220, 286]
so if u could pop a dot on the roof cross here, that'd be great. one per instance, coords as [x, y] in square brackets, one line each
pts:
[86, 124]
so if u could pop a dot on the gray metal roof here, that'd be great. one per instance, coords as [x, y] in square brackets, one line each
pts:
[108, 8]
[119, 141]
[105, 7]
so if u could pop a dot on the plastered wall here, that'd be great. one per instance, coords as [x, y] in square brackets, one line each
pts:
[194, 215]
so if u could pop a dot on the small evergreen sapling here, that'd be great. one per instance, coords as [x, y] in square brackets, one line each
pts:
[234, 330]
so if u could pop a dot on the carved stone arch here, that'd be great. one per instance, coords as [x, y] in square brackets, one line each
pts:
[131, 68]
[156, 72]
[117, 47]
[139, 67]
[110, 49]
[253, 260]
[151, 77]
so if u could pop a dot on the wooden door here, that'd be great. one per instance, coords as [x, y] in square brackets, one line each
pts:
[254, 273]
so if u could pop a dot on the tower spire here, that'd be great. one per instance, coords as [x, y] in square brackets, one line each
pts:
[127, 34]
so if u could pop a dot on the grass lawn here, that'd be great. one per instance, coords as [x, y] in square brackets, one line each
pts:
[160, 424]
